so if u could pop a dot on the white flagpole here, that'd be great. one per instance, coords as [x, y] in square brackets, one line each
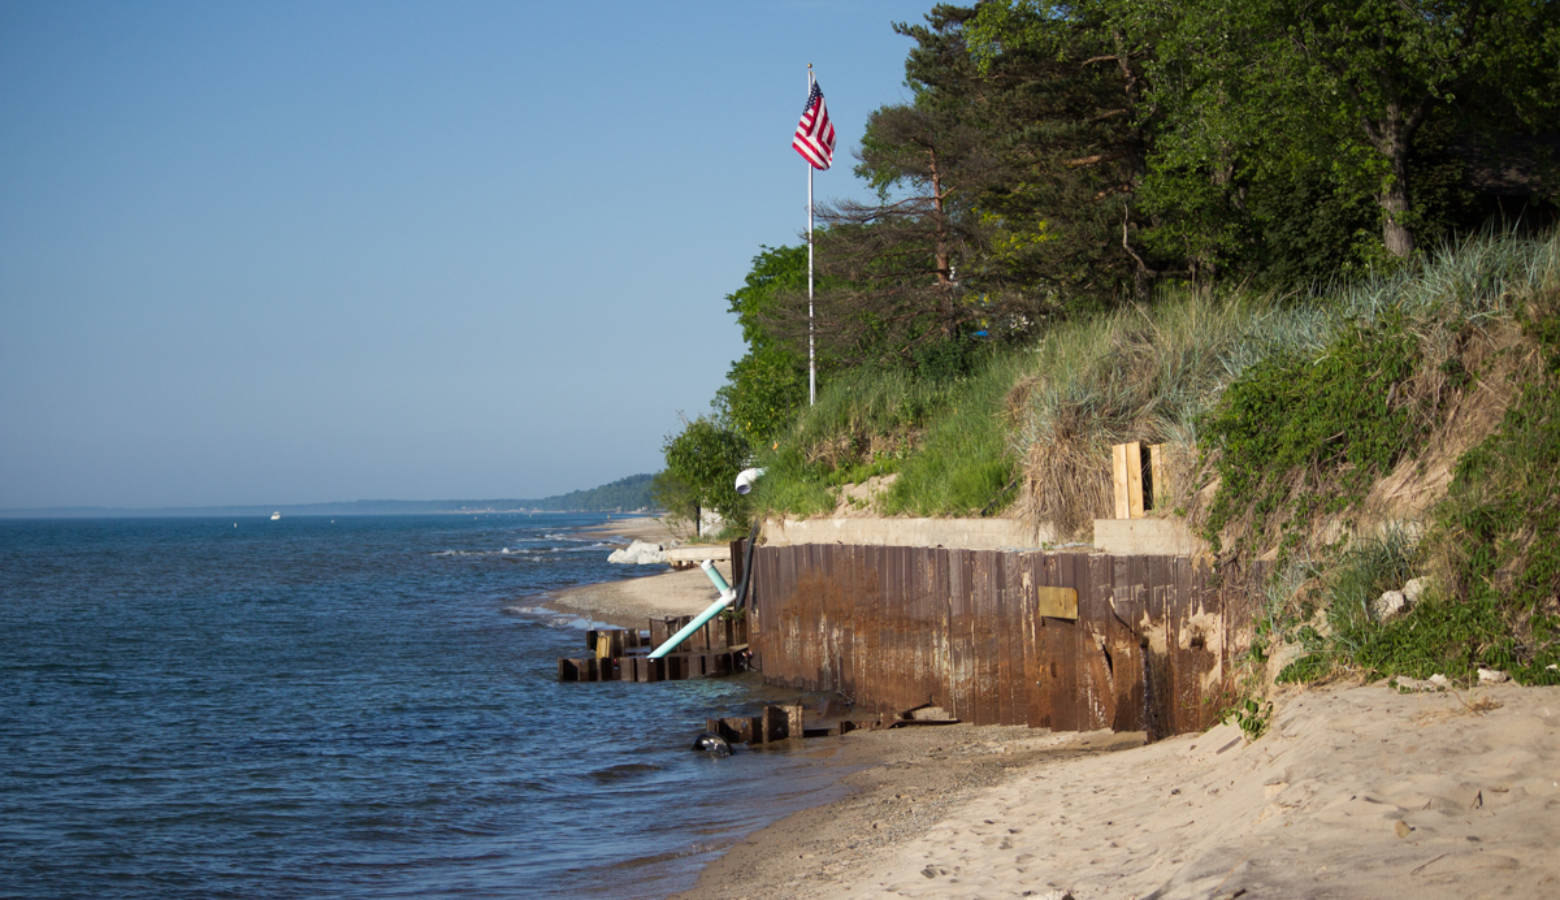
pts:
[812, 369]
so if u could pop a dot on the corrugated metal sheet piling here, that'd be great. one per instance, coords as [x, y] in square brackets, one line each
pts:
[1068, 641]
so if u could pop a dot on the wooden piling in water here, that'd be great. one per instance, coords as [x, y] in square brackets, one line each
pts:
[716, 649]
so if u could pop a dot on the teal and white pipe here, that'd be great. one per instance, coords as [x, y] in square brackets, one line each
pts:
[726, 596]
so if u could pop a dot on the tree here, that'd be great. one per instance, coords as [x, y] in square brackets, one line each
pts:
[1390, 64]
[1260, 101]
[1000, 195]
[1067, 88]
[767, 387]
[702, 462]
[896, 265]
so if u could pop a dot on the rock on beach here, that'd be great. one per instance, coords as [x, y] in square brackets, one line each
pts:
[639, 553]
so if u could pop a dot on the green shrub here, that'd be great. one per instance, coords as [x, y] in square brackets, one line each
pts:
[1495, 599]
[1495, 531]
[1297, 434]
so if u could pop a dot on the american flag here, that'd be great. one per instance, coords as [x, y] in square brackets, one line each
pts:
[815, 133]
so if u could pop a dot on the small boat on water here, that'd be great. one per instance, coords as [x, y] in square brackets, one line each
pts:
[276, 515]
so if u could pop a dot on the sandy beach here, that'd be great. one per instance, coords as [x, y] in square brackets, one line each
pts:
[645, 591]
[1354, 791]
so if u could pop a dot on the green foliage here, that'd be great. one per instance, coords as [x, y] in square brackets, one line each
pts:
[793, 484]
[1495, 529]
[702, 462]
[766, 387]
[1058, 102]
[947, 438]
[777, 276]
[1253, 717]
[1267, 141]
[1145, 373]
[1495, 570]
[965, 462]
[1305, 670]
[1353, 579]
[763, 393]
[1295, 435]
[865, 423]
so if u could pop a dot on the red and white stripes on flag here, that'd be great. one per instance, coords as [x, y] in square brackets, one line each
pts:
[815, 133]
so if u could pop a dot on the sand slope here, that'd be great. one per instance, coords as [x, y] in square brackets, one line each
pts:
[1356, 792]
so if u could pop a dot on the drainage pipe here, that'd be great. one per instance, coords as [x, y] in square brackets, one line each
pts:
[726, 596]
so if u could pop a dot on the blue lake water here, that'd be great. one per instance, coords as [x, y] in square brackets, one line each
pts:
[359, 706]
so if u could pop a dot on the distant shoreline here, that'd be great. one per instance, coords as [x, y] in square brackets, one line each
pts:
[360, 508]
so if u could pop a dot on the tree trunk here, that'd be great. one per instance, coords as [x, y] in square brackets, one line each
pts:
[943, 263]
[1392, 137]
[1394, 205]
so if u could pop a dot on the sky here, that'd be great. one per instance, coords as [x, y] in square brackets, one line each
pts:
[289, 252]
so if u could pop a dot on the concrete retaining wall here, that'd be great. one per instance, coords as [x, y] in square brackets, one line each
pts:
[965, 534]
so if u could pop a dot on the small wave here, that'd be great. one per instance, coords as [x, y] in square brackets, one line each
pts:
[621, 771]
[551, 617]
[694, 848]
[505, 551]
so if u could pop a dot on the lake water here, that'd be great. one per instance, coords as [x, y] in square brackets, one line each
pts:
[359, 706]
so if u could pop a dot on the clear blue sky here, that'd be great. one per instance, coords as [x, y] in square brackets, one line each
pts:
[278, 252]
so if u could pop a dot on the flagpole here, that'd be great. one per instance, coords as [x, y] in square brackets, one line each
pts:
[812, 368]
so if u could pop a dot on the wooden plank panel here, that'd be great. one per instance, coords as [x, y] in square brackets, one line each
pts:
[842, 625]
[873, 662]
[980, 679]
[1135, 479]
[1119, 475]
[1157, 688]
[1124, 654]
[999, 666]
[1088, 663]
[1127, 659]
[896, 607]
[966, 630]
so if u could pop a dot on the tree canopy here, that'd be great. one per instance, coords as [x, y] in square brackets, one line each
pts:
[1060, 158]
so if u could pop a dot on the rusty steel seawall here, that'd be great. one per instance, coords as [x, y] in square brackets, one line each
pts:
[896, 627]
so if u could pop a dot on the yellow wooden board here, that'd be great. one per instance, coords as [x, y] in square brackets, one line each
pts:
[1135, 480]
[606, 647]
[1118, 471]
[1126, 464]
[1058, 602]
